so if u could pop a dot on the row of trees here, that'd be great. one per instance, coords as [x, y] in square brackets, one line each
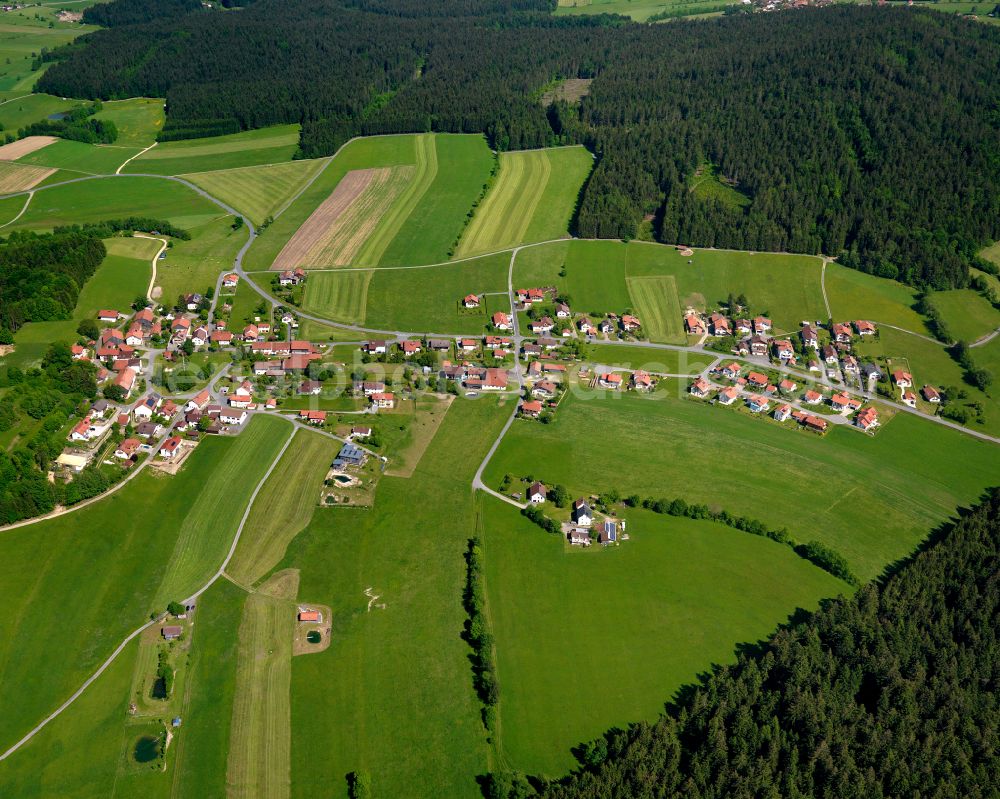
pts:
[855, 130]
[478, 635]
[890, 692]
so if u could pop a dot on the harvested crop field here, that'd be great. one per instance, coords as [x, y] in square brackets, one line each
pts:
[335, 232]
[25, 146]
[14, 177]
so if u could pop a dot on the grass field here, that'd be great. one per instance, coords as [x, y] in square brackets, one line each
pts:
[284, 506]
[15, 114]
[258, 191]
[259, 760]
[855, 295]
[381, 151]
[428, 413]
[214, 513]
[436, 220]
[113, 198]
[967, 313]
[428, 299]
[24, 33]
[340, 296]
[654, 299]
[195, 264]
[139, 120]
[98, 576]
[588, 640]
[10, 207]
[872, 499]
[18, 177]
[393, 694]
[707, 185]
[650, 360]
[785, 287]
[80, 157]
[533, 199]
[249, 148]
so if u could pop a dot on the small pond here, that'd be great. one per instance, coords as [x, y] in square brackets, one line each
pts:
[343, 479]
[147, 749]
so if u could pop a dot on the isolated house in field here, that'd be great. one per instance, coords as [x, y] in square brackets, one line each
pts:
[536, 493]
[312, 616]
[230, 281]
[582, 514]
[349, 455]
[641, 381]
[171, 632]
[931, 394]
[470, 301]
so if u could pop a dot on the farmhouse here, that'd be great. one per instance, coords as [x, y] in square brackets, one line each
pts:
[694, 325]
[349, 455]
[108, 316]
[610, 380]
[495, 380]
[230, 281]
[728, 395]
[700, 387]
[582, 514]
[170, 447]
[292, 277]
[531, 408]
[310, 616]
[536, 493]
[867, 419]
[128, 448]
[171, 631]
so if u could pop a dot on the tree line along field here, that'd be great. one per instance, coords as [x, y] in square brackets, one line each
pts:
[871, 499]
[533, 199]
[588, 640]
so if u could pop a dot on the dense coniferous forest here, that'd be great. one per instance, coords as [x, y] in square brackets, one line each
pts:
[130, 12]
[867, 132]
[892, 692]
[41, 275]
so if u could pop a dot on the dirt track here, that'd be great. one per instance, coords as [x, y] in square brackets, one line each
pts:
[25, 146]
[322, 222]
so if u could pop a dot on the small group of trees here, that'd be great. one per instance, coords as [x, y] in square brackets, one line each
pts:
[478, 635]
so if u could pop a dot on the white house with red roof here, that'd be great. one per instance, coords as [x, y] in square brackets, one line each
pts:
[170, 448]
[610, 380]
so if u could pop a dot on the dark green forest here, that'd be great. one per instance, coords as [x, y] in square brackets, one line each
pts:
[866, 132]
[41, 275]
[891, 693]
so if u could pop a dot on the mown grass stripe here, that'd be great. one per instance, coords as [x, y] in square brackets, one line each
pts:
[340, 296]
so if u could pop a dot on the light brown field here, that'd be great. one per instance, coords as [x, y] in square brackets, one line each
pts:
[26, 146]
[15, 177]
[334, 233]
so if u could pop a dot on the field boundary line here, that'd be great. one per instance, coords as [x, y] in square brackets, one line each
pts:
[131, 636]
[119, 170]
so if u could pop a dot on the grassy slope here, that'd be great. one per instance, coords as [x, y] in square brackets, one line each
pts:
[358, 154]
[431, 229]
[787, 287]
[284, 506]
[138, 120]
[209, 526]
[648, 359]
[393, 694]
[258, 191]
[532, 200]
[428, 299]
[80, 157]
[855, 295]
[99, 199]
[655, 301]
[596, 639]
[194, 265]
[639, 10]
[249, 148]
[32, 108]
[340, 296]
[967, 313]
[872, 499]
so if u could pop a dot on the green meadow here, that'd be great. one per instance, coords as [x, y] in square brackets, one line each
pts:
[393, 694]
[655, 302]
[533, 199]
[855, 295]
[249, 148]
[785, 287]
[195, 264]
[341, 296]
[649, 359]
[435, 222]
[77, 156]
[112, 198]
[258, 191]
[642, 10]
[24, 33]
[592, 639]
[967, 313]
[10, 207]
[17, 113]
[139, 120]
[872, 499]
